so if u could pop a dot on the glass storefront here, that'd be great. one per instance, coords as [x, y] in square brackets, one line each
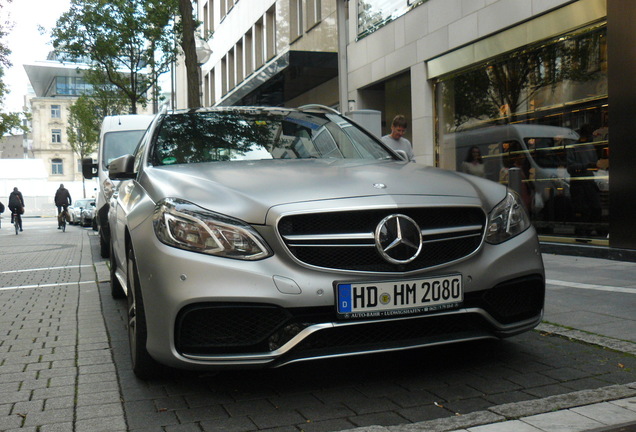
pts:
[374, 14]
[537, 120]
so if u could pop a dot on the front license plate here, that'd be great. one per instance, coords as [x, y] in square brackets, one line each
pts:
[387, 298]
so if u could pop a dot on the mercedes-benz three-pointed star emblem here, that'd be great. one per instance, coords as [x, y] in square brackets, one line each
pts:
[398, 238]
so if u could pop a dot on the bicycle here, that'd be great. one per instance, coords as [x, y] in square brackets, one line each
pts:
[17, 221]
[61, 219]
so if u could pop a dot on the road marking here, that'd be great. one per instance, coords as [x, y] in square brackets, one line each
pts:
[45, 268]
[44, 285]
[591, 287]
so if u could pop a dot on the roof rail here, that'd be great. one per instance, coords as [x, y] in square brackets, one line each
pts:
[319, 107]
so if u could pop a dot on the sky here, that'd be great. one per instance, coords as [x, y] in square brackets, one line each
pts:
[26, 42]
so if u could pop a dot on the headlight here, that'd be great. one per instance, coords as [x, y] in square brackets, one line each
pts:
[183, 225]
[507, 219]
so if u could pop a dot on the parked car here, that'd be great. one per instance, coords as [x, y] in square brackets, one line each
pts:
[87, 217]
[75, 210]
[259, 237]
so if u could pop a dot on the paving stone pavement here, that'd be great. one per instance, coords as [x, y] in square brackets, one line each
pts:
[64, 367]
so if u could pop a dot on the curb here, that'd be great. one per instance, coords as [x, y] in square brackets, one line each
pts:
[517, 410]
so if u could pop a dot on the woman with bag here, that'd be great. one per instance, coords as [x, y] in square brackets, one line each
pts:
[16, 204]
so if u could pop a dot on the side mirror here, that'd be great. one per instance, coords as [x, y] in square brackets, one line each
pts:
[89, 168]
[402, 154]
[122, 168]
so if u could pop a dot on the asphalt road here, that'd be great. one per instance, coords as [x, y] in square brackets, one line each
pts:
[64, 356]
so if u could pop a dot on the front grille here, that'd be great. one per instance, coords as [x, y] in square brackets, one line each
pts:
[345, 240]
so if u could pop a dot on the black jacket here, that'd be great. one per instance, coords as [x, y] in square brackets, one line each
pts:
[62, 197]
[16, 200]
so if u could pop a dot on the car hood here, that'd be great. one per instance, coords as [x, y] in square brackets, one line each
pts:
[248, 189]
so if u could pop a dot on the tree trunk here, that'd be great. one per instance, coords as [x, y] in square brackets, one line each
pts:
[189, 50]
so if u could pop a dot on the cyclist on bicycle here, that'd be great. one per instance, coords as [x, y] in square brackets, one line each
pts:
[16, 205]
[62, 201]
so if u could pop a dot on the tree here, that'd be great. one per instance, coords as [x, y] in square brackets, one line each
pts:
[188, 46]
[83, 128]
[121, 40]
[9, 121]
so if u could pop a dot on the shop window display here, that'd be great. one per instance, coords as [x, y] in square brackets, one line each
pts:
[537, 116]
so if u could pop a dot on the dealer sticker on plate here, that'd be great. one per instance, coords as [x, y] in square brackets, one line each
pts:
[402, 297]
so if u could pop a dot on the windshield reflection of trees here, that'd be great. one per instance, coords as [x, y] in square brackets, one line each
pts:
[212, 137]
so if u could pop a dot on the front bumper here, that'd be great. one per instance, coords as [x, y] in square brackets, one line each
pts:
[209, 312]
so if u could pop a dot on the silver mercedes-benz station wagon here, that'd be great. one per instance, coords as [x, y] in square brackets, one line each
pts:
[258, 237]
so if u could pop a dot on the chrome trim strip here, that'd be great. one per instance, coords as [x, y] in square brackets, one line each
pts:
[369, 236]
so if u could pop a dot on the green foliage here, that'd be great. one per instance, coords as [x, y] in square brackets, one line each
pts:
[128, 42]
[8, 121]
[83, 126]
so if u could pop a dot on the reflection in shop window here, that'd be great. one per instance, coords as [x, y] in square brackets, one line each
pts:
[374, 14]
[538, 117]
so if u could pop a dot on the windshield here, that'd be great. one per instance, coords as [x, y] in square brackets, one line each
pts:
[82, 203]
[255, 135]
[119, 143]
[549, 152]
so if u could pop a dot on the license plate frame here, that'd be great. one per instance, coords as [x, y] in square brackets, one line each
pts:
[398, 297]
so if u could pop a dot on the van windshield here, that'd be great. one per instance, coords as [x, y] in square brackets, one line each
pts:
[119, 143]
[549, 152]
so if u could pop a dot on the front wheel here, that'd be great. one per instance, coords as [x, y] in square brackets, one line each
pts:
[143, 366]
[116, 290]
[104, 249]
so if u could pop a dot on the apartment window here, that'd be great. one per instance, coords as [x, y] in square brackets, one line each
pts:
[57, 167]
[240, 68]
[224, 81]
[249, 53]
[295, 18]
[259, 59]
[313, 13]
[270, 33]
[56, 136]
[231, 70]
[56, 111]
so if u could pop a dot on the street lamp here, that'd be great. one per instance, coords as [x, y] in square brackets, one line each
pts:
[203, 51]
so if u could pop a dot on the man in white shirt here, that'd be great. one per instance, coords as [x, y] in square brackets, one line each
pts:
[396, 139]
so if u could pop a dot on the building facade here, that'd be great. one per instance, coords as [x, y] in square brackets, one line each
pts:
[271, 52]
[529, 83]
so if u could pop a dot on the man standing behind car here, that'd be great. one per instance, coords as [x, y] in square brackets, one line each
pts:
[396, 139]
[62, 201]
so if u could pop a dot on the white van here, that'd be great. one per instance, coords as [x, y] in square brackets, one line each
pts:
[119, 135]
[543, 149]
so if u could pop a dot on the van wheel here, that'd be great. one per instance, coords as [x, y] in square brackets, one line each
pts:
[116, 290]
[143, 365]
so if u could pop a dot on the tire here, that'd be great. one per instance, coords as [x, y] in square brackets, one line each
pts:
[116, 290]
[104, 247]
[143, 366]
